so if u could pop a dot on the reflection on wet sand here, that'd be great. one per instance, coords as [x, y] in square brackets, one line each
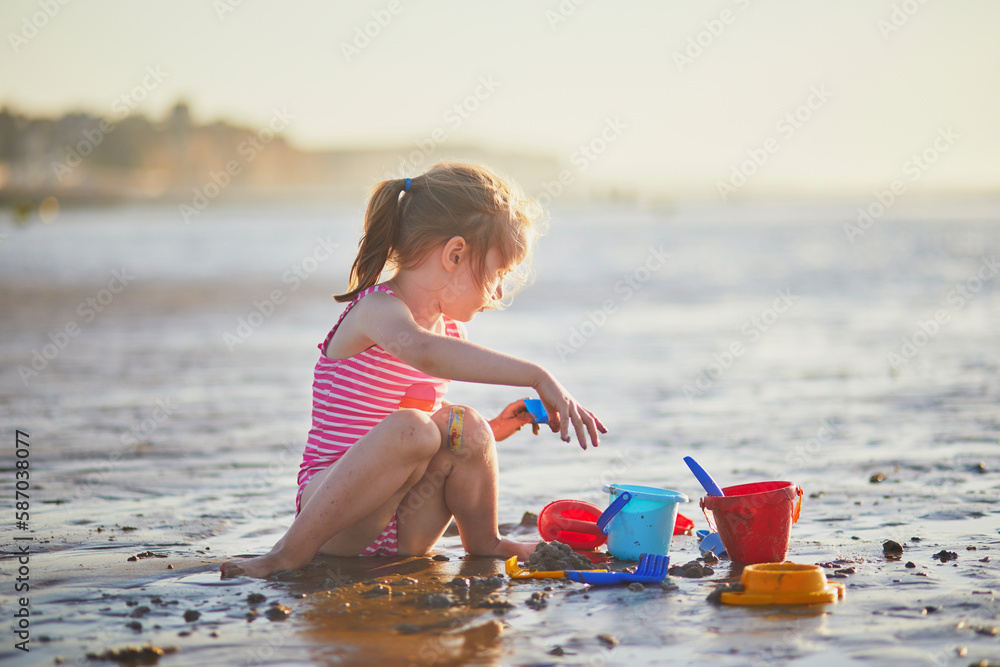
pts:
[412, 611]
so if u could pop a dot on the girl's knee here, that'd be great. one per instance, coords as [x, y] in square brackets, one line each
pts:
[417, 434]
[464, 431]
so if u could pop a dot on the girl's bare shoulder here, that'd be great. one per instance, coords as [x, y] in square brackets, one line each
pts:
[375, 314]
[378, 304]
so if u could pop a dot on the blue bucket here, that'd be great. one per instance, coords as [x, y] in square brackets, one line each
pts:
[640, 520]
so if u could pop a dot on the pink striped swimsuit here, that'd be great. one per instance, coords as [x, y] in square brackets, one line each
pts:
[350, 396]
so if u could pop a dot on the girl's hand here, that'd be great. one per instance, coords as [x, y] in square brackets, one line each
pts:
[564, 410]
[510, 421]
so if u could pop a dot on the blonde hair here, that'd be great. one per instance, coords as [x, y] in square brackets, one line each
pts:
[450, 199]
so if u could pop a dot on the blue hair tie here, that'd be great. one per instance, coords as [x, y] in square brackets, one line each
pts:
[406, 186]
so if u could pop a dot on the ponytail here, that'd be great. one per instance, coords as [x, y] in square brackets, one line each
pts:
[380, 238]
[408, 217]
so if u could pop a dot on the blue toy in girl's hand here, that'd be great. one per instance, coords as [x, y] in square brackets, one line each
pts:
[537, 410]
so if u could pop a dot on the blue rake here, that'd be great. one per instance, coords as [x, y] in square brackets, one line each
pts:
[652, 569]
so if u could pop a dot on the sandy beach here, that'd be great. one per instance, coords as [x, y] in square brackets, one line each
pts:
[165, 433]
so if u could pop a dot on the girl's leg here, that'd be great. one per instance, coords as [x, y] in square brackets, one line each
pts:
[462, 483]
[347, 505]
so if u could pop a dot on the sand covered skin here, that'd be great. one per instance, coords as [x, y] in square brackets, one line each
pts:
[149, 435]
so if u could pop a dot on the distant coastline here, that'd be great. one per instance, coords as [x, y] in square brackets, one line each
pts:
[82, 159]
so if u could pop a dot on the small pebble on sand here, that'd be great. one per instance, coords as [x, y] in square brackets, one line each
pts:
[497, 604]
[892, 549]
[278, 612]
[378, 590]
[691, 570]
[538, 600]
[435, 601]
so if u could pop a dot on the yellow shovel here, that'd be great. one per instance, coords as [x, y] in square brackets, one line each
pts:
[514, 571]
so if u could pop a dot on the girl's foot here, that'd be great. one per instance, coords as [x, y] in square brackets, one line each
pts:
[259, 567]
[507, 548]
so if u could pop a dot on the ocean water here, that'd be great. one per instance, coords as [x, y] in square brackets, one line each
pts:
[163, 372]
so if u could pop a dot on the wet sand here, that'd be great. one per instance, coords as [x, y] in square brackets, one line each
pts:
[150, 436]
[375, 612]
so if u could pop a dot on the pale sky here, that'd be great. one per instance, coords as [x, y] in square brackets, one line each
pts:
[886, 91]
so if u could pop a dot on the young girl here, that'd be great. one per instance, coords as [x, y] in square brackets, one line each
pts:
[388, 463]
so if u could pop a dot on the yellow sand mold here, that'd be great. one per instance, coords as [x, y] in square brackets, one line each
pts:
[784, 583]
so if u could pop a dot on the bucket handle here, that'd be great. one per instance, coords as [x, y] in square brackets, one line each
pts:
[709, 516]
[798, 505]
[613, 509]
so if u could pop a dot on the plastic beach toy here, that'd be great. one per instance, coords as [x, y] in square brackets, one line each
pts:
[644, 523]
[537, 410]
[711, 488]
[652, 569]
[683, 525]
[784, 583]
[710, 542]
[515, 571]
[572, 522]
[755, 520]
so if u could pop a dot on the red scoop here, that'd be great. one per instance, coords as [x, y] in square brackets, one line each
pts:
[574, 522]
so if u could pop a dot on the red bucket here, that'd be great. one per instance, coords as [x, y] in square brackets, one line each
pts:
[755, 520]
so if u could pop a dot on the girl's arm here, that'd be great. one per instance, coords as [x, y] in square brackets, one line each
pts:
[386, 321]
